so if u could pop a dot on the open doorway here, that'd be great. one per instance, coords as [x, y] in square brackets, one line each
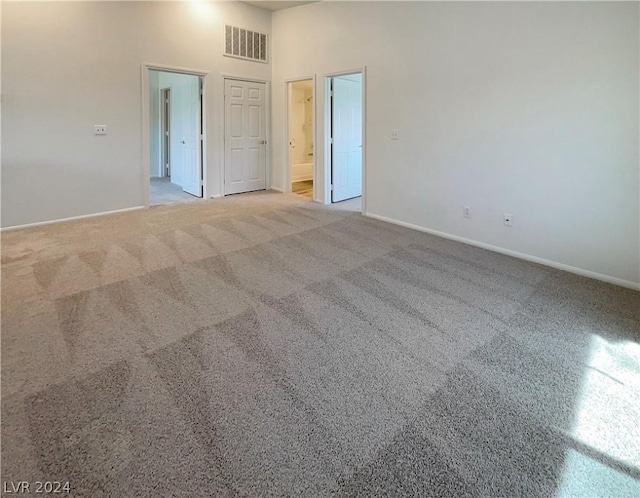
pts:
[301, 133]
[175, 137]
[345, 138]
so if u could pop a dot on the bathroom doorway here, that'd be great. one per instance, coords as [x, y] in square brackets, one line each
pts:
[301, 136]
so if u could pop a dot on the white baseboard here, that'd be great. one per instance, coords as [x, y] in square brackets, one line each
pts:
[277, 189]
[72, 218]
[508, 252]
[217, 196]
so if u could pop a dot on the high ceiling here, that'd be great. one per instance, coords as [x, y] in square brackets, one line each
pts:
[283, 4]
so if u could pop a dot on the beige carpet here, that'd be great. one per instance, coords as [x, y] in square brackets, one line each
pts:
[263, 345]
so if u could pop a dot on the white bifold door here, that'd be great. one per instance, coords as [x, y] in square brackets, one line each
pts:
[244, 136]
[346, 132]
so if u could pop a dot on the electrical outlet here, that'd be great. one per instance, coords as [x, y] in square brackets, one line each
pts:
[395, 135]
[466, 212]
[507, 220]
[99, 129]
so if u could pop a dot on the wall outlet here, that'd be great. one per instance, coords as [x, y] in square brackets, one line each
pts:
[507, 220]
[99, 129]
[466, 212]
[395, 135]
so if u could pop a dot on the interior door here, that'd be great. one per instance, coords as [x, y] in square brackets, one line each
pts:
[346, 128]
[244, 136]
[190, 146]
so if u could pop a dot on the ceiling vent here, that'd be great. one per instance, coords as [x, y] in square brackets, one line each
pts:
[245, 44]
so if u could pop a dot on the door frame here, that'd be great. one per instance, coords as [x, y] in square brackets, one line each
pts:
[145, 68]
[267, 131]
[327, 133]
[287, 175]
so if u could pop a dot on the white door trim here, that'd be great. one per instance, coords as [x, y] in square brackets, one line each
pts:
[267, 83]
[327, 134]
[287, 177]
[145, 68]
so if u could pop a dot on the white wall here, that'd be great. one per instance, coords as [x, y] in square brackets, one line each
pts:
[528, 108]
[69, 65]
[155, 125]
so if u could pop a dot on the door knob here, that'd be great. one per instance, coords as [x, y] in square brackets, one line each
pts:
[262, 142]
[182, 142]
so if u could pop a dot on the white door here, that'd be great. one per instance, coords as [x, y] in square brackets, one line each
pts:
[186, 157]
[244, 137]
[190, 146]
[346, 126]
[177, 122]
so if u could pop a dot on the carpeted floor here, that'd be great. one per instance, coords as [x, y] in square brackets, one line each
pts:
[262, 345]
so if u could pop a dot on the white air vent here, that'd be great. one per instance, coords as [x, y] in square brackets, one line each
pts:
[245, 44]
